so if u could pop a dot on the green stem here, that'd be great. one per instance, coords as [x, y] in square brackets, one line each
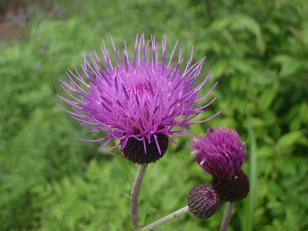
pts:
[163, 220]
[135, 194]
[227, 216]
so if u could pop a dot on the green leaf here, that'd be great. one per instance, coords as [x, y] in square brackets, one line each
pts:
[289, 65]
[250, 202]
[124, 166]
[267, 96]
[289, 139]
[241, 22]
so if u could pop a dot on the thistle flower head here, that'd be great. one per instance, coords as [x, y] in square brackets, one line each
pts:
[138, 100]
[220, 152]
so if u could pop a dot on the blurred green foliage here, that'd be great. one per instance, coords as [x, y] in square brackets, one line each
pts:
[258, 50]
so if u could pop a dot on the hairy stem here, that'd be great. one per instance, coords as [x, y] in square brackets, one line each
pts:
[134, 195]
[227, 216]
[163, 220]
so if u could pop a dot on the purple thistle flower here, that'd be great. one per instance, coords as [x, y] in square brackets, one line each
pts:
[222, 154]
[137, 101]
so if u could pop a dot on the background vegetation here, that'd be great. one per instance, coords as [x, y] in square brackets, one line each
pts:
[50, 180]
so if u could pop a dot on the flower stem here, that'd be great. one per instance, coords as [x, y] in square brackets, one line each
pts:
[227, 216]
[163, 220]
[134, 195]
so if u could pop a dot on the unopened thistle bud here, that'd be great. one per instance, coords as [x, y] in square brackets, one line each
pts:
[202, 201]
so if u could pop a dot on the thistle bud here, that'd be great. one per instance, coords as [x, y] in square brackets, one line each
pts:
[202, 201]
[221, 153]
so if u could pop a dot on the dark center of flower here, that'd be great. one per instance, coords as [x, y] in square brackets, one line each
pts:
[134, 149]
[233, 188]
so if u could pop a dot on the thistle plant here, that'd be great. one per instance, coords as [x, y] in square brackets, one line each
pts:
[221, 153]
[142, 101]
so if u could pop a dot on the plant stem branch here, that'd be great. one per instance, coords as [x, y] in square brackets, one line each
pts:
[227, 216]
[134, 195]
[163, 220]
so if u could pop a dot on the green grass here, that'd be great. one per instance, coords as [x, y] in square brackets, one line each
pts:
[250, 203]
